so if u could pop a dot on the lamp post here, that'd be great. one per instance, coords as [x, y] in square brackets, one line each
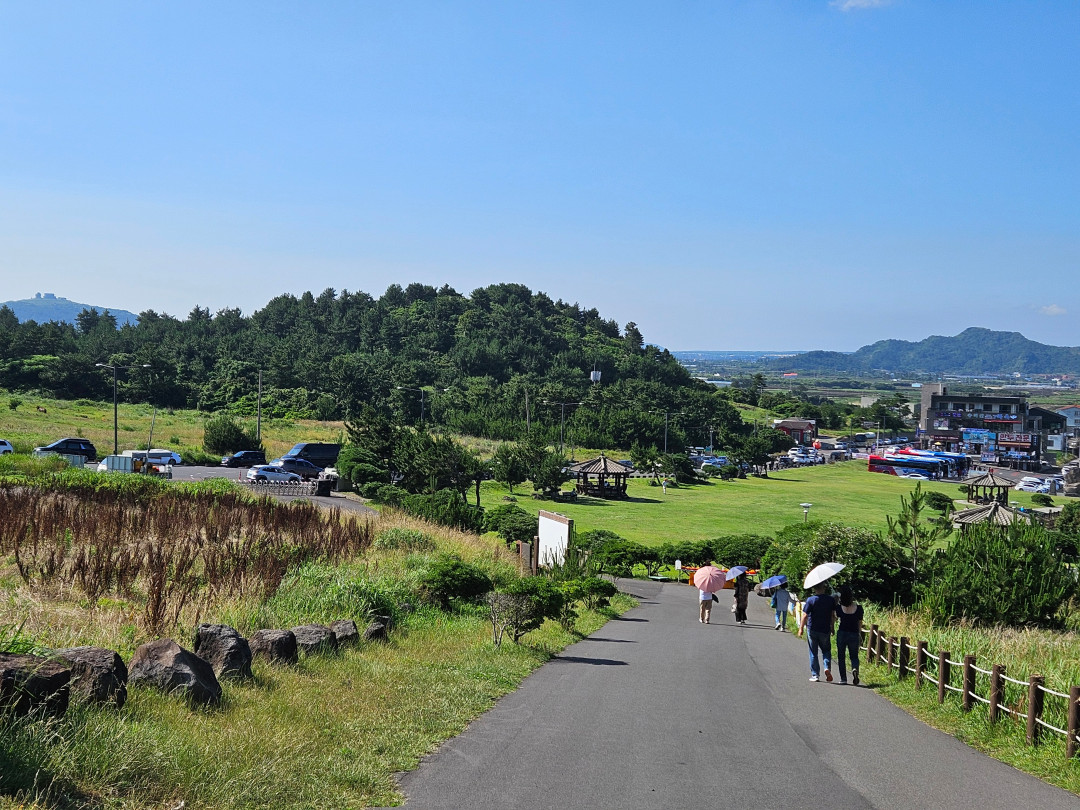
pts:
[805, 510]
[562, 420]
[422, 391]
[115, 438]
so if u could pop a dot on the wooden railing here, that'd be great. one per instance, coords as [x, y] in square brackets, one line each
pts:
[1030, 701]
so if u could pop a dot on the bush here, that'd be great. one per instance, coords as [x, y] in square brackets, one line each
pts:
[450, 578]
[403, 540]
[446, 508]
[14, 403]
[384, 493]
[223, 433]
[739, 549]
[511, 522]
[994, 576]
[938, 501]
[523, 605]
[1041, 499]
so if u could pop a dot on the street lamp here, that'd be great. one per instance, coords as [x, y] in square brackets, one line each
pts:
[562, 419]
[115, 439]
[422, 391]
[805, 510]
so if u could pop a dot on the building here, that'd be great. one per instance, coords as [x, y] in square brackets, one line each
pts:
[1000, 429]
[802, 431]
[1072, 418]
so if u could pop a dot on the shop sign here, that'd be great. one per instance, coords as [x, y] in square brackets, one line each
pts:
[1014, 438]
[951, 414]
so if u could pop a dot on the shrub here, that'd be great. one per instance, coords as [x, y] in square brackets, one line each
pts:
[446, 508]
[1041, 499]
[14, 403]
[739, 549]
[403, 540]
[938, 501]
[223, 433]
[450, 578]
[989, 575]
[522, 606]
[511, 522]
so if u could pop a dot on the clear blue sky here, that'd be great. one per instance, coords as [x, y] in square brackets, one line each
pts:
[729, 175]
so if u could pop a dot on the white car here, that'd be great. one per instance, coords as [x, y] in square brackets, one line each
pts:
[914, 474]
[267, 473]
[5, 447]
[1032, 486]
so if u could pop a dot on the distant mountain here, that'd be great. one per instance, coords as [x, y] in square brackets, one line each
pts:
[45, 307]
[974, 351]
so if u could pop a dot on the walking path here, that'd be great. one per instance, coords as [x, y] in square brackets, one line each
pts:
[656, 710]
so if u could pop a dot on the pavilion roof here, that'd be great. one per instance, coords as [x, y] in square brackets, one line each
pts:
[600, 466]
[995, 514]
[987, 479]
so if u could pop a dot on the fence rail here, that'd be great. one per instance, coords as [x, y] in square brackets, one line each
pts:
[1026, 701]
[300, 488]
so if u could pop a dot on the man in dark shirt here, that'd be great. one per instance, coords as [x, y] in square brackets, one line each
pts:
[819, 619]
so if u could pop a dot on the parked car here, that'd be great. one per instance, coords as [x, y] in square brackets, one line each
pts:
[321, 454]
[5, 447]
[158, 456]
[302, 467]
[265, 472]
[244, 458]
[69, 447]
[914, 474]
[1031, 486]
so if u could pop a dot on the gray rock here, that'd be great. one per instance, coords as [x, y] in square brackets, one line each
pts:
[378, 630]
[276, 646]
[97, 674]
[345, 632]
[165, 665]
[30, 682]
[314, 638]
[224, 649]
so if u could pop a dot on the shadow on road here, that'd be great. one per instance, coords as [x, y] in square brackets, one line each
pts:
[601, 662]
[613, 640]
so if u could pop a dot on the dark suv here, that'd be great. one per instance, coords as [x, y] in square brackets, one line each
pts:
[244, 458]
[301, 466]
[69, 447]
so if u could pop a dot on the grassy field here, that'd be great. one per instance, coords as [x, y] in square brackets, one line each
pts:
[178, 430]
[843, 493]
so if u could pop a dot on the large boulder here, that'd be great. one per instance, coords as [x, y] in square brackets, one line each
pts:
[378, 630]
[224, 649]
[276, 646]
[345, 632]
[315, 638]
[29, 682]
[165, 665]
[98, 674]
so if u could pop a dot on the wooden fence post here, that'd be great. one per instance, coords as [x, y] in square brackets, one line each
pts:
[997, 691]
[1074, 721]
[890, 658]
[1035, 709]
[880, 647]
[969, 683]
[942, 674]
[903, 657]
[920, 664]
[871, 644]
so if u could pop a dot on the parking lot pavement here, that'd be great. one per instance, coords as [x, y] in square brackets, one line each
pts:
[336, 500]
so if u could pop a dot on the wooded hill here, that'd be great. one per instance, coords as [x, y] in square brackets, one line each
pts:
[489, 363]
[975, 351]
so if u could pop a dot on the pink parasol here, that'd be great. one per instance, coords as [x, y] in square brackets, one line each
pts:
[709, 578]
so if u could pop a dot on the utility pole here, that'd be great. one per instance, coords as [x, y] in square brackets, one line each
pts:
[258, 418]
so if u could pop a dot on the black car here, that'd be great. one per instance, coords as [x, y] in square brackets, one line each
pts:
[69, 447]
[244, 458]
[305, 469]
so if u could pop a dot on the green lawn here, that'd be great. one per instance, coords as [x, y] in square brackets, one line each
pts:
[842, 493]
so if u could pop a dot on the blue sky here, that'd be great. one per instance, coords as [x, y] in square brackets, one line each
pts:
[729, 175]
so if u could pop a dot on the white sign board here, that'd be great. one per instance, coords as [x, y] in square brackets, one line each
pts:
[555, 532]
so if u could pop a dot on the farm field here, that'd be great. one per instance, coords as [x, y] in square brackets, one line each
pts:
[842, 493]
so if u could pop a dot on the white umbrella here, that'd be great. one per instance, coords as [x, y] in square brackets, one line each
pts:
[821, 573]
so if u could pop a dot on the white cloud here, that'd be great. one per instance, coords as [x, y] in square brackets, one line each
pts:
[1052, 309]
[857, 5]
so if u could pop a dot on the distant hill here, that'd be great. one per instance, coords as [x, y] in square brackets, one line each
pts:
[974, 351]
[45, 307]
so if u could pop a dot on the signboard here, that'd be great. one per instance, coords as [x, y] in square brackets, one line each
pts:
[1014, 438]
[951, 414]
[978, 436]
[555, 533]
[999, 417]
[940, 424]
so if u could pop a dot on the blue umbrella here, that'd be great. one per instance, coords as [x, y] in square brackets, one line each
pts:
[736, 570]
[774, 582]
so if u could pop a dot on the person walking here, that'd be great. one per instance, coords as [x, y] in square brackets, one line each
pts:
[819, 618]
[742, 596]
[780, 603]
[848, 634]
[705, 601]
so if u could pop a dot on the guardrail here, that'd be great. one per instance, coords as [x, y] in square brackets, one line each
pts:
[298, 488]
[1028, 700]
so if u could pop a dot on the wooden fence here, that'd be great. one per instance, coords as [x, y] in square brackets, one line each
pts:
[1030, 701]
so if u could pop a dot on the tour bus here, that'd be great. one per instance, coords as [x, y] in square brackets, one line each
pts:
[899, 464]
[957, 462]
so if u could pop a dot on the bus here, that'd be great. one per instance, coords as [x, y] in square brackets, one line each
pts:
[898, 464]
[957, 462]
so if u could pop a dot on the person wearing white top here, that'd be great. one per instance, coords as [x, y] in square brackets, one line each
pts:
[705, 609]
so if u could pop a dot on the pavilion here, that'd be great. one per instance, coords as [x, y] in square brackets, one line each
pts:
[601, 477]
[987, 489]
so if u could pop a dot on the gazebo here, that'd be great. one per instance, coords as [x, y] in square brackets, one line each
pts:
[988, 489]
[995, 514]
[601, 477]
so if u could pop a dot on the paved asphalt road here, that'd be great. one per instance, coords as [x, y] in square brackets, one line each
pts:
[656, 710]
[187, 472]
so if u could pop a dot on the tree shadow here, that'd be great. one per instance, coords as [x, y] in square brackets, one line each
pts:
[600, 662]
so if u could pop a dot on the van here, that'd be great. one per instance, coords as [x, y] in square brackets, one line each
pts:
[156, 456]
[320, 454]
[116, 464]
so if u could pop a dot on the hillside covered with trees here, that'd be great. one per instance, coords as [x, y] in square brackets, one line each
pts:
[490, 364]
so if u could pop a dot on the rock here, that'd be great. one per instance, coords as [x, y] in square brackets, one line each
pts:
[224, 649]
[276, 646]
[345, 632]
[29, 682]
[378, 630]
[97, 674]
[167, 666]
[313, 638]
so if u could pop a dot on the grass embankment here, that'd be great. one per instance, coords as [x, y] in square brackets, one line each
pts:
[842, 493]
[329, 732]
[1024, 652]
[180, 430]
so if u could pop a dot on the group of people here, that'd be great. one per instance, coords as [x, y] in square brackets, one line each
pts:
[823, 615]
